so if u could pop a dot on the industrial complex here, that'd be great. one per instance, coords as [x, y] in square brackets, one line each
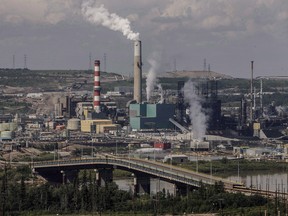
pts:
[147, 127]
[191, 118]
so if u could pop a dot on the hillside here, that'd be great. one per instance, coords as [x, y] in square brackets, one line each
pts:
[196, 75]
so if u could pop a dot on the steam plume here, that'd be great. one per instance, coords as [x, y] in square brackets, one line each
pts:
[161, 92]
[101, 16]
[196, 113]
[151, 79]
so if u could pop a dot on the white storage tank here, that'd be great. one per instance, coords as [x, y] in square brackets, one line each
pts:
[73, 124]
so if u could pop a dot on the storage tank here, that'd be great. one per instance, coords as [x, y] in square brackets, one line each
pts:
[73, 124]
[6, 135]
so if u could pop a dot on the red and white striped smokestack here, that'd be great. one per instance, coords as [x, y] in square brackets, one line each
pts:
[97, 87]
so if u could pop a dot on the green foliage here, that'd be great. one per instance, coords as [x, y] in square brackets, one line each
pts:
[225, 167]
[84, 196]
[121, 173]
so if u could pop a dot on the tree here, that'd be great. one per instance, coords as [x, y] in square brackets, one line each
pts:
[3, 191]
[22, 194]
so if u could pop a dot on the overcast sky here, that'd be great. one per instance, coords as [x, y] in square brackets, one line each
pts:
[54, 34]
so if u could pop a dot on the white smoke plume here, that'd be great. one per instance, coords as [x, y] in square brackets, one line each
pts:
[101, 16]
[161, 92]
[151, 80]
[197, 115]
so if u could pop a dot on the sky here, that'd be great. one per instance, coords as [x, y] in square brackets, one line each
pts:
[229, 34]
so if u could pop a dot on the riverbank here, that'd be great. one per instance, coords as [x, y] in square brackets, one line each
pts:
[225, 167]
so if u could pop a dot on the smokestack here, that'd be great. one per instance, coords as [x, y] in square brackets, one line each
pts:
[97, 87]
[137, 72]
[252, 92]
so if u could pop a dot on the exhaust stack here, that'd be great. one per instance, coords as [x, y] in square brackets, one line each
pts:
[97, 87]
[252, 93]
[137, 71]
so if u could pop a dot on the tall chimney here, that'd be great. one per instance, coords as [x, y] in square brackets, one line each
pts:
[97, 87]
[137, 72]
[252, 92]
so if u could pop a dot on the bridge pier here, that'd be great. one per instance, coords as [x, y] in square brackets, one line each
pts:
[141, 184]
[182, 189]
[104, 176]
[59, 176]
[69, 176]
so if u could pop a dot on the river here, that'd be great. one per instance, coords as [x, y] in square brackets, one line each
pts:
[156, 185]
[261, 180]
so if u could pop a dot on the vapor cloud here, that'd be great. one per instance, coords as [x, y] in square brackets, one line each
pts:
[101, 16]
[161, 93]
[151, 80]
[196, 113]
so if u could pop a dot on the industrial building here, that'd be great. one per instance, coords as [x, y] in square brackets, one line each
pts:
[208, 92]
[176, 158]
[7, 130]
[151, 116]
[143, 116]
[98, 126]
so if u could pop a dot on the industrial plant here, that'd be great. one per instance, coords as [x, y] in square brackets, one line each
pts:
[149, 126]
[190, 118]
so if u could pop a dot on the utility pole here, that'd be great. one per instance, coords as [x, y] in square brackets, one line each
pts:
[13, 64]
[105, 62]
[175, 65]
[261, 96]
[90, 61]
[25, 61]
[238, 171]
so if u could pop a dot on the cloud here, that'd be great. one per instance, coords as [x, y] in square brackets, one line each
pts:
[37, 11]
[226, 17]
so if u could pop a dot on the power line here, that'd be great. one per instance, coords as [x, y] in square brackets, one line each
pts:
[105, 59]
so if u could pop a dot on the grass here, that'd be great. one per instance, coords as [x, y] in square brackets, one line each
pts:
[225, 167]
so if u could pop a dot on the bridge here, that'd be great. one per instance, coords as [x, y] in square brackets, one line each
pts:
[143, 170]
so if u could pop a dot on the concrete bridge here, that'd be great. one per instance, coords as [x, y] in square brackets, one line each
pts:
[183, 180]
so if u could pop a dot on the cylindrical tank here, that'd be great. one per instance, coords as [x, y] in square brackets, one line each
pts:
[73, 124]
[6, 135]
